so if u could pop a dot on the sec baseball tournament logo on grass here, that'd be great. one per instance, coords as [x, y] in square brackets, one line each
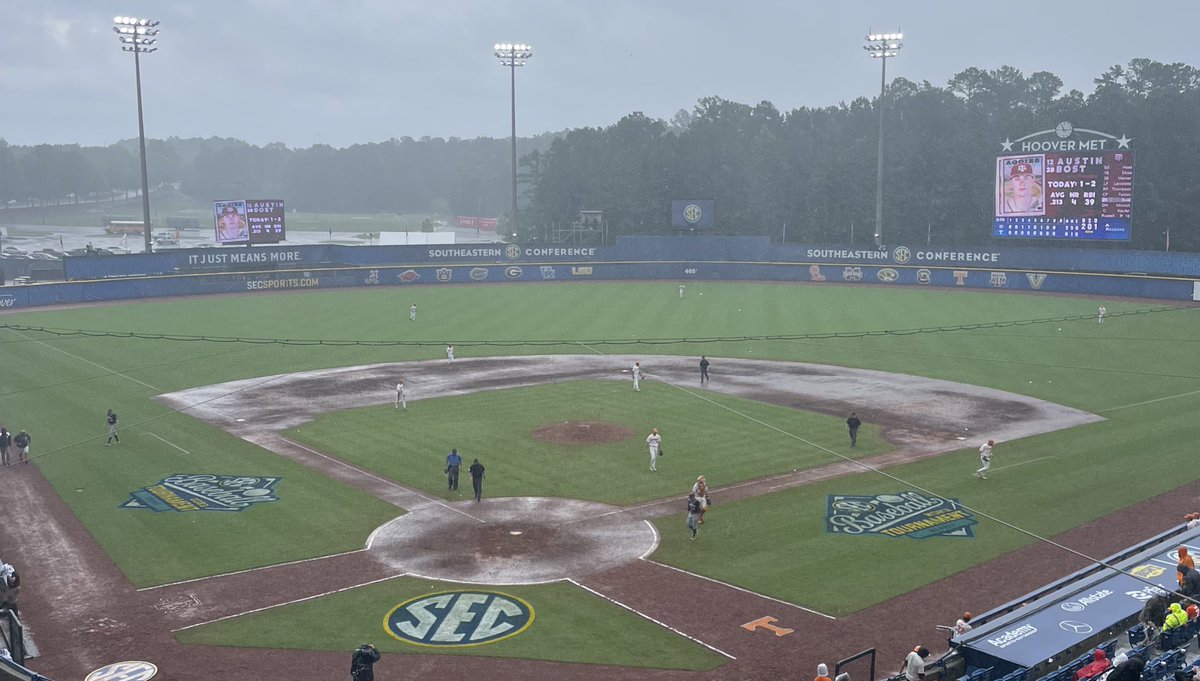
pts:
[458, 619]
[204, 492]
[906, 514]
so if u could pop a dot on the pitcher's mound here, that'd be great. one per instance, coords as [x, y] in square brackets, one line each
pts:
[582, 433]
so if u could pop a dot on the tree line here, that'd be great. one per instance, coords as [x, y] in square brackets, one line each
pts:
[804, 175]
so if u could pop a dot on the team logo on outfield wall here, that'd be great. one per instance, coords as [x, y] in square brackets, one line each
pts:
[512, 251]
[458, 619]
[998, 280]
[124, 671]
[581, 271]
[907, 514]
[408, 276]
[852, 274]
[513, 272]
[478, 273]
[548, 272]
[1036, 279]
[203, 492]
[445, 274]
[902, 255]
[8, 301]
[887, 275]
[924, 276]
[814, 273]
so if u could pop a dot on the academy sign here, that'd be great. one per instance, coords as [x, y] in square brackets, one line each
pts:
[458, 619]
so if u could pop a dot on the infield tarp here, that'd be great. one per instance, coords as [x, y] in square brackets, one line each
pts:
[1081, 608]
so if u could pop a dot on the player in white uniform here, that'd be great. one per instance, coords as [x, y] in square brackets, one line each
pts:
[681, 291]
[401, 398]
[412, 312]
[1100, 313]
[637, 376]
[450, 353]
[653, 442]
[985, 458]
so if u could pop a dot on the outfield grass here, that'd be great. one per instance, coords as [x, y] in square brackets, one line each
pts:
[699, 437]
[570, 625]
[58, 390]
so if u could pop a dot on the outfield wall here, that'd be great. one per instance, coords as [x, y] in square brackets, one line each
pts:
[181, 272]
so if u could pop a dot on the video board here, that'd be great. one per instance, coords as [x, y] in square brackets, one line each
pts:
[1084, 195]
[249, 221]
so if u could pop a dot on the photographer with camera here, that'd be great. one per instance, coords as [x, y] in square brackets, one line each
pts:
[362, 664]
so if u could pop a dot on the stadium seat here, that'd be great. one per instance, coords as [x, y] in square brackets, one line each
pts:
[1137, 634]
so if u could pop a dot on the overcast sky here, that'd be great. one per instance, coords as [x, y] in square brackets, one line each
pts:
[341, 72]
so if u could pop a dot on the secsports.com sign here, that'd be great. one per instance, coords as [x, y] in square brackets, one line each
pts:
[459, 618]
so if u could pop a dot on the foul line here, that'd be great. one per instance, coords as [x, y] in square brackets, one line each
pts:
[738, 588]
[87, 361]
[431, 500]
[291, 602]
[169, 442]
[657, 539]
[643, 615]
[242, 572]
[1022, 463]
[1157, 399]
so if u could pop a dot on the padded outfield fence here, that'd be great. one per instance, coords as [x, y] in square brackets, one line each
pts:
[1139, 274]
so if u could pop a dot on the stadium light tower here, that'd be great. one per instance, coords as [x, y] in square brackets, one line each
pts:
[138, 36]
[512, 56]
[881, 46]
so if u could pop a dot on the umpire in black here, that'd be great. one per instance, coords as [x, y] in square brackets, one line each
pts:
[362, 664]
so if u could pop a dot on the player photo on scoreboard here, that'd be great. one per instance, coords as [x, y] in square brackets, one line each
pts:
[231, 224]
[1021, 185]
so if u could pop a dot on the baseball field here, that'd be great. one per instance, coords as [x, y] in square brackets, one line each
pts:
[319, 508]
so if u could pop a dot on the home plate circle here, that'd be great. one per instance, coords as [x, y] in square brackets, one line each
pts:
[512, 540]
[124, 671]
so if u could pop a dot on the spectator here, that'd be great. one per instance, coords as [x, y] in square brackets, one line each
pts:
[1176, 618]
[822, 673]
[1099, 665]
[914, 664]
[1193, 520]
[1189, 580]
[1129, 669]
[10, 588]
[963, 625]
[1193, 612]
[1184, 559]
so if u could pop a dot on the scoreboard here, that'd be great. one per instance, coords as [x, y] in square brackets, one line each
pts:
[1078, 195]
[249, 221]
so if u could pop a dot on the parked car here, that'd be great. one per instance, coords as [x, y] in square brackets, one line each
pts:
[12, 249]
[43, 256]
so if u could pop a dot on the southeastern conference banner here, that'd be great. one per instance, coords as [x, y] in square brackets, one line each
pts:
[693, 214]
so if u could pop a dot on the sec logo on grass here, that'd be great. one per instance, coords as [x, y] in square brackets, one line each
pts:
[459, 619]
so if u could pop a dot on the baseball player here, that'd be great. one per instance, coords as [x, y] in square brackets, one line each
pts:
[450, 353]
[401, 398]
[1100, 313]
[693, 517]
[112, 429]
[637, 376]
[681, 287]
[412, 312]
[21, 441]
[653, 442]
[985, 458]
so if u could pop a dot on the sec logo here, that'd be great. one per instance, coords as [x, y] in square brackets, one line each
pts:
[124, 671]
[692, 213]
[902, 255]
[459, 619]
[512, 251]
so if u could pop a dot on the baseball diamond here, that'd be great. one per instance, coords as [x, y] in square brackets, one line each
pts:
[576, 562]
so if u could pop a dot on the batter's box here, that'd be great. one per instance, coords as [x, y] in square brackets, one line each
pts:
[174, 605]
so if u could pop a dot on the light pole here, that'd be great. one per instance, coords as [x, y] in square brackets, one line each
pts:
[512, 56]
[881, 46]
[137, 36]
